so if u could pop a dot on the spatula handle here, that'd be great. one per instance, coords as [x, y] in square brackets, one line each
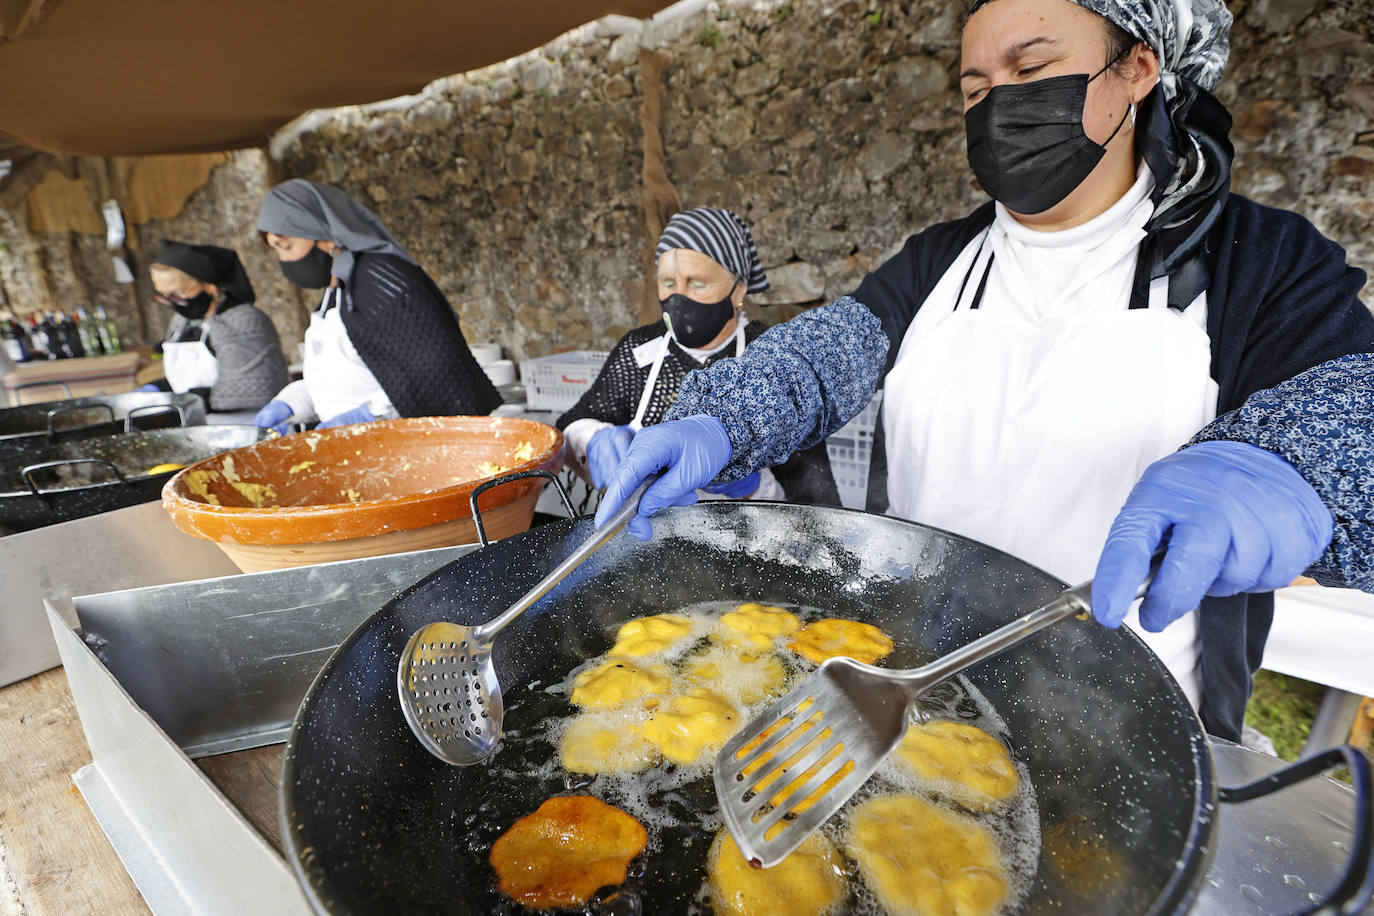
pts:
[575, 559]
[1072, 601]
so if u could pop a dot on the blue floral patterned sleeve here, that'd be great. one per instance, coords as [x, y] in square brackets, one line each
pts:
[796, 384]
[1322, 422]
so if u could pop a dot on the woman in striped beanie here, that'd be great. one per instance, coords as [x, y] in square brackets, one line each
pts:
[706, 265]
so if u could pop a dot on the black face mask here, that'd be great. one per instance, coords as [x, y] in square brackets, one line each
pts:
[194, 309]
[311, 271]
[695, 324]
[1026, 142]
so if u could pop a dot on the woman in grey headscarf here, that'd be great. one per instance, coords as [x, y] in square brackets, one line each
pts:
[1044, 357]
[706, 264]
[384, 341]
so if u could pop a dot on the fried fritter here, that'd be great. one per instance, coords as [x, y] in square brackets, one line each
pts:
[618, 680]
[921, 859]
[650, 635]
[753, 627]
[807, 883]
[833, 637]
[967, 762]
[692, 725]
[563, 852]
[744, 678]
[604, 744]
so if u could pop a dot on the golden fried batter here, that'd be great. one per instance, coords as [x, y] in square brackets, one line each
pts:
[832, 637]
[604, 744]
[807, 883]
[921, 859]
[692, 725]
[973, 766]
[745, 679]
[650, 635]
[753, 627]
[569, 847]
[616, 681]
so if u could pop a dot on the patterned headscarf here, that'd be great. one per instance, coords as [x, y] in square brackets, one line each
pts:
[308, 210]
[1182, 129]
[721, 236]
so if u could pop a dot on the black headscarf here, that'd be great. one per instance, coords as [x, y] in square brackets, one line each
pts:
[210, 264]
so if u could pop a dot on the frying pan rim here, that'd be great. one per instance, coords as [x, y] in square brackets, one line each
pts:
[1175, 896]
[97, 486]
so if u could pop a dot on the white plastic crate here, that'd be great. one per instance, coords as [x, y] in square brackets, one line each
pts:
[556, 382]
[850, 450]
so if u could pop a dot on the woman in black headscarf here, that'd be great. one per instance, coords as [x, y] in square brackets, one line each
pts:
[218, 343]
[706, 263]
[1044, 358]
[384, 341]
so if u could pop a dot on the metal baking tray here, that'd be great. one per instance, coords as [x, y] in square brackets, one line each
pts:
[165, 674]
[126, 548]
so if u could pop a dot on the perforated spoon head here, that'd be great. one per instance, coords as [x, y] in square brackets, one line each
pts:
[449, 693]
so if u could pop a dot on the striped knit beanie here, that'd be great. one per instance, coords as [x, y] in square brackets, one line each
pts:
[721, 236]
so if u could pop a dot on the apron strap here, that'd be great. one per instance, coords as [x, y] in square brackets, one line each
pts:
[637, 423]
[982, 284]
[968, 275]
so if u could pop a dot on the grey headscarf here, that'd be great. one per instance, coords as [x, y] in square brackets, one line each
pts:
[307, 210]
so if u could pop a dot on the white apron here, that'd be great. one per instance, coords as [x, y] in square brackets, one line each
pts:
[190, 364]
[1028, 435]
[335, 376]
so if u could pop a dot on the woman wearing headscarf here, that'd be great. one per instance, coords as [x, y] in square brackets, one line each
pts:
[1041, 353]
[218, 343]
[706, 264]
[384, 342]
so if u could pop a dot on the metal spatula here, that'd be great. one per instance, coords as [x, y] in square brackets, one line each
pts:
[840, 724]
[446, 681]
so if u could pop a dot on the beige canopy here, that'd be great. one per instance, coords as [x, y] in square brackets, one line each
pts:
[135, 77]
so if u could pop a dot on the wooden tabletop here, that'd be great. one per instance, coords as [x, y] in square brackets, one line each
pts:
[54, 859]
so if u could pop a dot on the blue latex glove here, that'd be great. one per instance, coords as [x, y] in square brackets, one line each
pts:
[605, 451]
[735, 489]
[690, 453]
[359, 414]
[1237, 519]
[275, 415]
[148, 388]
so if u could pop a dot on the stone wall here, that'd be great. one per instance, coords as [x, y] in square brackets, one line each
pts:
[834, 128]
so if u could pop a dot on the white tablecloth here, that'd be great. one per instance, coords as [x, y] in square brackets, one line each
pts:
[1324, 635]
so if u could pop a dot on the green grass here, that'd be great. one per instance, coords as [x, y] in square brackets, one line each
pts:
[1283, 708]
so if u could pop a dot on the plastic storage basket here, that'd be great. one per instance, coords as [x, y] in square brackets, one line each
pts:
[556, 382]
[850, 450]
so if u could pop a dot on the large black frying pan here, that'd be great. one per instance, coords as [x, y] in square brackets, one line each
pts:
[45, 483]
[99, 415]
[1118, 760]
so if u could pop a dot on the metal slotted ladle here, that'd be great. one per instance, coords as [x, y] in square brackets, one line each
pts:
[447, 683]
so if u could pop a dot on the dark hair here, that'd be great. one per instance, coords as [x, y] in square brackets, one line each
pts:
[1119, 41]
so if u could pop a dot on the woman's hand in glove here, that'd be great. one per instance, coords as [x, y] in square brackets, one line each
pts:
[690, 453]
[359, 414]
[735, 489]
[276, 415]
[1237, 519]
[605, 451]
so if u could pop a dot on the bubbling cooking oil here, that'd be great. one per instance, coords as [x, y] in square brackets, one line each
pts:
[677, 804]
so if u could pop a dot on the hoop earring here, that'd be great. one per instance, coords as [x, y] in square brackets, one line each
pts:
[1133, 114]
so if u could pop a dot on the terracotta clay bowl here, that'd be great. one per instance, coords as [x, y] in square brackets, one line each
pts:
[364, 490]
